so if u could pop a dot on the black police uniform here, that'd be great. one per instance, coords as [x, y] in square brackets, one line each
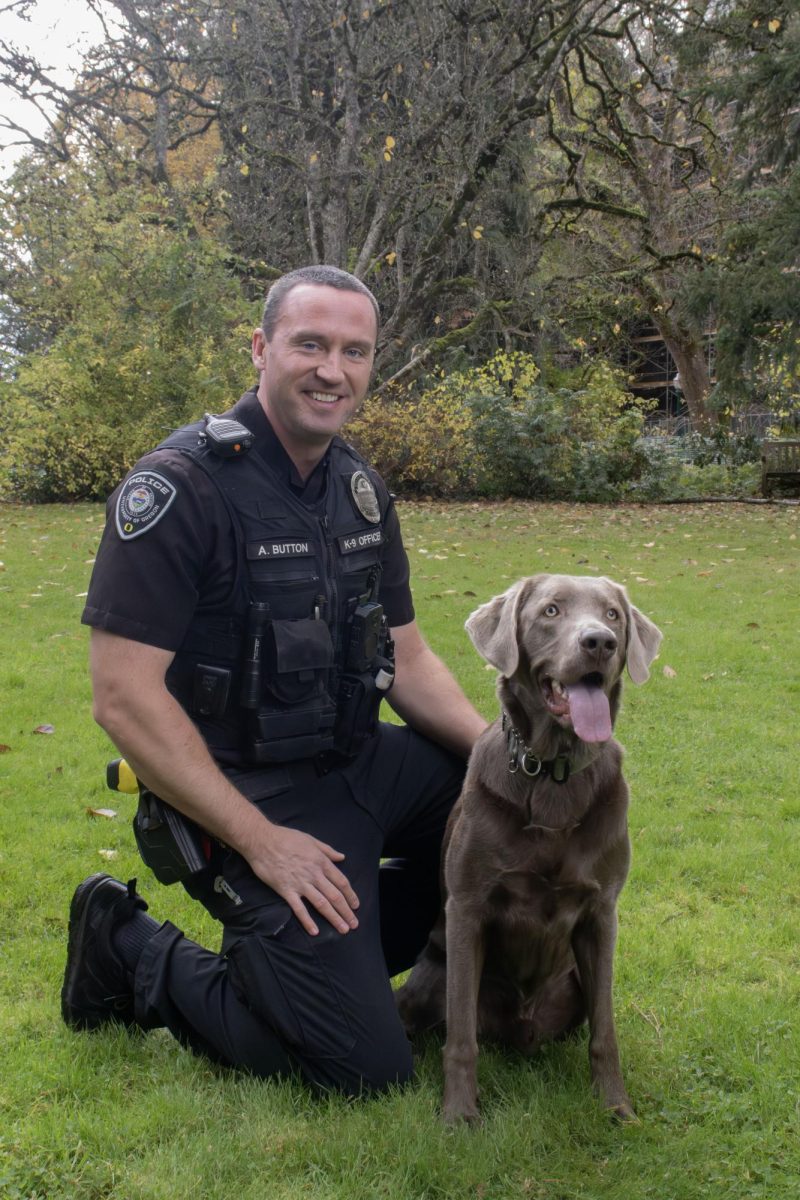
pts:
[172, 569]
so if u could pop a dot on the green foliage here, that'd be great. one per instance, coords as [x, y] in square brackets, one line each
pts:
[137, 326]
[496, 430]
[553, 443]
[696, 466]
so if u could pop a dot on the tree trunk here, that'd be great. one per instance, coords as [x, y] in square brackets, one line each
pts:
[695, 381]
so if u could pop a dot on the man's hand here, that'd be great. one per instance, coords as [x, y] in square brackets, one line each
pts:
[299, 867]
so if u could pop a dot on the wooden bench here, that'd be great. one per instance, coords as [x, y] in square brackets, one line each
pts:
[780, 463]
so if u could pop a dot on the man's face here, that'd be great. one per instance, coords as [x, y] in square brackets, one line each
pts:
[315, 369]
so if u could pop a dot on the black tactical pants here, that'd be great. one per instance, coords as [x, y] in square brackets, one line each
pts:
[277, 1000]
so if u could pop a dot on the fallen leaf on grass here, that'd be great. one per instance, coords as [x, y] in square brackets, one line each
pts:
[4, 749]
[670, 673]
[108, 854]
[108, 813]
[45, 729]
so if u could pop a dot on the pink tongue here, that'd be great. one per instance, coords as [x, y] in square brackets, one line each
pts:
[590, 713]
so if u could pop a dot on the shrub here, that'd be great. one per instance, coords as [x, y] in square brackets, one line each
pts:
[495, 430]
[139, 327]
[421, 442]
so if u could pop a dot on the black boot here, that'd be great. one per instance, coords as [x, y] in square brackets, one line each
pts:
[97, 985]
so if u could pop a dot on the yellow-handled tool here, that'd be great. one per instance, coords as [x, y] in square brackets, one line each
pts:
[121, 778]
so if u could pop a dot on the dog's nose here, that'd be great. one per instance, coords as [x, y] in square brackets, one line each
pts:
[599, 642]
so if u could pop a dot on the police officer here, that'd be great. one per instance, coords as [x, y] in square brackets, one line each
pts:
[249, 606]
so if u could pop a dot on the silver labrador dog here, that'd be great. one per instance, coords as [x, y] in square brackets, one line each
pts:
[537, 850]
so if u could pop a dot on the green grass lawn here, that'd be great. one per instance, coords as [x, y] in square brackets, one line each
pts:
[707, 984]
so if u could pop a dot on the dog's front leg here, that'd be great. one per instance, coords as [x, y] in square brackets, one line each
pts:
[465, 953]
[593, 943]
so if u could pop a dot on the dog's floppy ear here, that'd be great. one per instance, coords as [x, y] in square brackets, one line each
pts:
[493, 628]
[644, 638]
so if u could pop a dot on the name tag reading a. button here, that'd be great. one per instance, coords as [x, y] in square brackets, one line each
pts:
[284, 547]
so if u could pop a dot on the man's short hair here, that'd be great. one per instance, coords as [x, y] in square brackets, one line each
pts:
[321, 276]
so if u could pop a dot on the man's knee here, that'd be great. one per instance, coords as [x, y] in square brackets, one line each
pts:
[355, 1045]
[369, 1069]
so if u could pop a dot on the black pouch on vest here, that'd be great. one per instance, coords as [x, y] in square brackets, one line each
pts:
[296, 716]
[170, 844]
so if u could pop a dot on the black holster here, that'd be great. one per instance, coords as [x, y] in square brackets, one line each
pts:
[171, 845]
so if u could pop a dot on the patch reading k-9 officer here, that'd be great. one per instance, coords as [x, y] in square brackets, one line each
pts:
[365, 496]
[142, 502]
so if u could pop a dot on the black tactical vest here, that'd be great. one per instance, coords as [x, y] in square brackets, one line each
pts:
[297, 662]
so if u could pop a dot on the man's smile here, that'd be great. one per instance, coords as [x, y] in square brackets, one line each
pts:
[325, 397]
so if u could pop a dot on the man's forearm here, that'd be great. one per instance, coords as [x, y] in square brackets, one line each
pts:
[167, 753]
[429, 699]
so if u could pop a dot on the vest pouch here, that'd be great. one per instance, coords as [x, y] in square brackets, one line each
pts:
[298, 657]
[296, 716]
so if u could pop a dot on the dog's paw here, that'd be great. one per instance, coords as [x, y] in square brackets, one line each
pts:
[623, 1113]
[458, 1114]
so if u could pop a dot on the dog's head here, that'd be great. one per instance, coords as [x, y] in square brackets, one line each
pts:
[566, 640]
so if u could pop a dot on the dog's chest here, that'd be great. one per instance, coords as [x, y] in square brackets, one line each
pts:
[540, 893]
[531, 912]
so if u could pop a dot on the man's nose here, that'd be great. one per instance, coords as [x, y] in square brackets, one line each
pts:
[331, 366]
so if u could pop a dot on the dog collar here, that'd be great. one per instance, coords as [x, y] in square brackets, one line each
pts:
[522, 758]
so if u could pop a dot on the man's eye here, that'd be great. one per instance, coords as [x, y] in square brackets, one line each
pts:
[354, 352]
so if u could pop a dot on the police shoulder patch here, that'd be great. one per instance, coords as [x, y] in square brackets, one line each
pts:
[365, 497]
[142, 502]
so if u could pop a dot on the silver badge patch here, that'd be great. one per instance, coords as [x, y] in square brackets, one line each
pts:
[365, 497]
[142, 502]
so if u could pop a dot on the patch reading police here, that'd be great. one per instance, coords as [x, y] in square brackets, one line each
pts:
[141, 504]
[365, 497]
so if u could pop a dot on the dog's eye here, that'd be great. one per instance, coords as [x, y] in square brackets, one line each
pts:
[551, 610]
[612, 614]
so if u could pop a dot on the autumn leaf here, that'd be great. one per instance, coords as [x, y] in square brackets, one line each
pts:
[670, 673]
[390, 257]
[108, 854]
[774, 25]
[390, 143]
[45, 729]
[4, 749]
[108, 813]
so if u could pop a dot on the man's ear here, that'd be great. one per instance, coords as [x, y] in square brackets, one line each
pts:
[259, 349]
